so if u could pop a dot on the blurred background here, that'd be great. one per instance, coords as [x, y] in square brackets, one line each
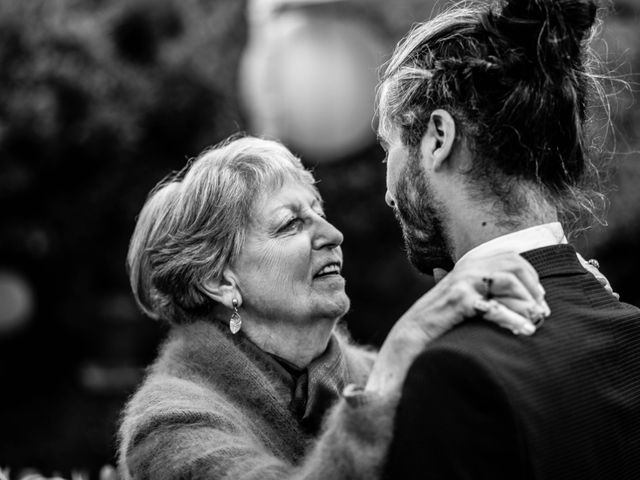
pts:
[100, 99]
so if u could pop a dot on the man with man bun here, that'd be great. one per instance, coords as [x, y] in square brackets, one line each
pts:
[483, 112]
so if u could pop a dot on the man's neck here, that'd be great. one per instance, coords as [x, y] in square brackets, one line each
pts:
[475, 226]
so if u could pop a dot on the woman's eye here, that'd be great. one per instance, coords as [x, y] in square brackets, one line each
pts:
[291, 224]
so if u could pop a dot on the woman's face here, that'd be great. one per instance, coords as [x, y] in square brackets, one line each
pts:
[289, 268]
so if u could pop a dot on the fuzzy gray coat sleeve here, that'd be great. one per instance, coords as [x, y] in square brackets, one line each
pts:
[194, 443]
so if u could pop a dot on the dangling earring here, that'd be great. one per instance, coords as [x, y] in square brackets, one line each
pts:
[236, 322]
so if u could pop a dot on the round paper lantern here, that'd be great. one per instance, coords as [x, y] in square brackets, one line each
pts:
[309, 78]
[16, 301]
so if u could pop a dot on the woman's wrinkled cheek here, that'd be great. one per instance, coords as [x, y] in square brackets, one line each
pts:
[282, 266]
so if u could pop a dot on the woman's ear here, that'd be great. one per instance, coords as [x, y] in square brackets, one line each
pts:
[223, 289]
[437, 142]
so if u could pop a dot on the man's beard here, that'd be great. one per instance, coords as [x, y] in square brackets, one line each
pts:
[420, 216]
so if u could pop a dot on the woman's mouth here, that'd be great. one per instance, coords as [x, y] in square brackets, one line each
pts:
[330, 269]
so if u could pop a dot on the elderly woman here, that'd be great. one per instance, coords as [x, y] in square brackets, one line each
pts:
[255, 381]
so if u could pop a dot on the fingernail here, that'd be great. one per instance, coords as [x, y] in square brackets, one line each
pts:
[545, 308]
[616, 295]
[527, 329]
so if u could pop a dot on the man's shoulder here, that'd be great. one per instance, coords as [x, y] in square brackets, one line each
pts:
[481, 342]
[585, 319]
[580, 351]
[579, 370]
[575, 381]
[564, 345]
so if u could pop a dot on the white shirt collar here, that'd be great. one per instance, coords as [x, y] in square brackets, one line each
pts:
[521, 241]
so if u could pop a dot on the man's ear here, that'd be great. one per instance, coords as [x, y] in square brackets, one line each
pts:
[438, 140]
[223, 290]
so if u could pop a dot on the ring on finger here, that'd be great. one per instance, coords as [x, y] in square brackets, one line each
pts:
[488, 283]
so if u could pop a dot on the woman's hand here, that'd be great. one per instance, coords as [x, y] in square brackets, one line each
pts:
[593, 267]
[504, 289]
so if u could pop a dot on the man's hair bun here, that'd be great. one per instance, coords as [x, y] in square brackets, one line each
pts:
[548, 32]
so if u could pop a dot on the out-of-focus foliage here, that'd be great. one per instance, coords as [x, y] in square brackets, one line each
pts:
[97, 101]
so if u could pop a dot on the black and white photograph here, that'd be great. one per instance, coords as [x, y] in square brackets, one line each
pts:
[319, 239]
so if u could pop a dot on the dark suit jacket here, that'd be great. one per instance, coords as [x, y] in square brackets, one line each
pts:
[481, 403]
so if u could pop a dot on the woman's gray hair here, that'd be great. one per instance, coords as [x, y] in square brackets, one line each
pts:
[193, 223]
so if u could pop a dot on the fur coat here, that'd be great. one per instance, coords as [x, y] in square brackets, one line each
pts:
[215, 406]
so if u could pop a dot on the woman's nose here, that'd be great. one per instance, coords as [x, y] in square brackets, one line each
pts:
[327, 235]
